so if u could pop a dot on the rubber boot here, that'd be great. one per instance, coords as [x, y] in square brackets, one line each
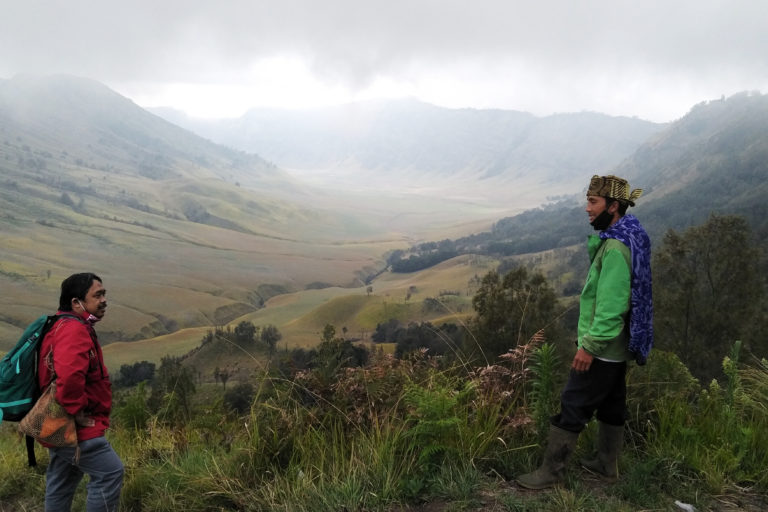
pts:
[606, 462]
[560, 445]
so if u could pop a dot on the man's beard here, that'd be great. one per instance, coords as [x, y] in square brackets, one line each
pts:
[602, 221]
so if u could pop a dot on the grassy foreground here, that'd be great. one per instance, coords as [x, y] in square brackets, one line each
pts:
[401, 435]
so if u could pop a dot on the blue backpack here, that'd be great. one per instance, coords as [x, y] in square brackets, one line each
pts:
[19, 388]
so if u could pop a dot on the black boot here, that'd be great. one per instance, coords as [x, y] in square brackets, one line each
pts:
[606, 462]
[560, 445]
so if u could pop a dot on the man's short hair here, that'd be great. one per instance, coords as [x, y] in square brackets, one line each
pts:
[623, 205]
[75, 286]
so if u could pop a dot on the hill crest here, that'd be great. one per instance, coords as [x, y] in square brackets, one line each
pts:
[418, 142]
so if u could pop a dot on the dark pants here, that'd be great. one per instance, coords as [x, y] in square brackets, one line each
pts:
[602, 389]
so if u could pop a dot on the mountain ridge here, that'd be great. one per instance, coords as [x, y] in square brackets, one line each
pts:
[413, 139]
[78, 112]
[186, 232]
[713, 160]
[189, 233]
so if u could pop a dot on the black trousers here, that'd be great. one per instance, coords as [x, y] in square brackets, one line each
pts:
[602, 389]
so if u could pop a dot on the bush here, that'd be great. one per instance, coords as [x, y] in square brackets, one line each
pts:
[131, 410]
[239, 398]
[718, 434]
[664, 376]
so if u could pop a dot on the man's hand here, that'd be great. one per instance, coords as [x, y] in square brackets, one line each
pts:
[582, 360]
[83, 420]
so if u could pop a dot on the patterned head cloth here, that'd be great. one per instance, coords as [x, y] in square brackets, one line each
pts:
[613, 187]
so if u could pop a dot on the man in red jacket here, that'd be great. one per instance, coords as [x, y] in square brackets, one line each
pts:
[71, 354]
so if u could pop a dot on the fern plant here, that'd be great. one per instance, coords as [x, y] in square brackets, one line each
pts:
[544, 362]
[730, 368]
[436, 426]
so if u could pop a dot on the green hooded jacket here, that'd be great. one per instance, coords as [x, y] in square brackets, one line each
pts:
[604, 304]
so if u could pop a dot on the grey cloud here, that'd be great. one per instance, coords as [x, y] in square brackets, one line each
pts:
[354, 41]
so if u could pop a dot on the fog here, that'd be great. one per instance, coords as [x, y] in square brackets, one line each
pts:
[653, 60]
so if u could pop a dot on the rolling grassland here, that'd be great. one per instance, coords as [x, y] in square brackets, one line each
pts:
[439, 294]
[198, 278]
[184, 233]
[167, 269]
[164, 272]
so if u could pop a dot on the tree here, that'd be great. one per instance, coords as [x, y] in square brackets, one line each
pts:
[334, 353]
[66, 200]
[240, 397]
[245, 334]
[296, 360]
[173, 390]
[132, 374]
[511, 309]
[439, 341]
[386, 332]
[222, 375]
[270, 336]
[329, 332]
[708, 293]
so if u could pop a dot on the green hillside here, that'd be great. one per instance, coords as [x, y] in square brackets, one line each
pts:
[440, 294]
[713, 160]
[188, 234]
[184, 232]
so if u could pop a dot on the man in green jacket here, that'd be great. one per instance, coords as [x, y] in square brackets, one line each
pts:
[615, 326]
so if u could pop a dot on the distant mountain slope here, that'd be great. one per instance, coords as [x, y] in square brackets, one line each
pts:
[188, 233]
[407, 137]
[185, 232]
[713, 160]
[87, 123]
[79, 138]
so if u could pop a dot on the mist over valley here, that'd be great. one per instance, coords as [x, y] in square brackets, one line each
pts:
[268, 217]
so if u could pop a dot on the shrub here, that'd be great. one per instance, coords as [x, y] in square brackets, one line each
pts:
[239, 398]
[131, 410]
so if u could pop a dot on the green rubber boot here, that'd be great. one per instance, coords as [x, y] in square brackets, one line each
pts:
[560, 445]
[606, 462]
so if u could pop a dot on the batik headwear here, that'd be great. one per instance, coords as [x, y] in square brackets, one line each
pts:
[613, 187]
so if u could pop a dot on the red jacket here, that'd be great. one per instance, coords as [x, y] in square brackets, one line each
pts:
[82, 381]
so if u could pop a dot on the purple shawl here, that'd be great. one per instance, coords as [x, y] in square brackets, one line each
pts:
[629, 232]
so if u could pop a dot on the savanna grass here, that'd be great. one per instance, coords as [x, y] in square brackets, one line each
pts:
[721, 434]
[333, 470]
[398, 432]
[19, 484]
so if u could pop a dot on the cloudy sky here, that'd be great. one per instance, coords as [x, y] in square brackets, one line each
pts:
[653, 59]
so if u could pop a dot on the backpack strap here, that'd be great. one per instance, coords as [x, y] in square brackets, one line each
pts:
[31, 451]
